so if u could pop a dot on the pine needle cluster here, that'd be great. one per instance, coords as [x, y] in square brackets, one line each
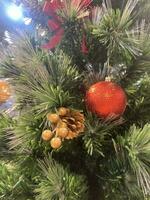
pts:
[110, 159]
[59, 183]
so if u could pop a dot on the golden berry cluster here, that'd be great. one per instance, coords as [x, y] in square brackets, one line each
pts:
[65, 124]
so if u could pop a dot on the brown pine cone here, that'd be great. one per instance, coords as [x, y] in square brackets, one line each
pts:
[75, 123]
[67, 123]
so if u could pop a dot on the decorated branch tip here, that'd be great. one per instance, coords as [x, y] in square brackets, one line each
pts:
[66, 124]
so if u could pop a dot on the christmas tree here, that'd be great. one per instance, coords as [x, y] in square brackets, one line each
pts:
[77, 89]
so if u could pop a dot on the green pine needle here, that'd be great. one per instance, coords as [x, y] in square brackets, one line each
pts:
[114, 32]
[45, 80]
[141, 64]
[6, 124]
[26, 134]
[13, 186]
[136, 145]
[97, 133]
[59, 184]
[118, 181]
[138, 101]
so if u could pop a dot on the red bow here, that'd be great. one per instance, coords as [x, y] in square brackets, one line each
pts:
[55, 23]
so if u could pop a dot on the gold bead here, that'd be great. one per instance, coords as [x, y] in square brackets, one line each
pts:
[62, 132]
[53, 118]
[62, 111]
[62, 125]
[56, 143]
[47, 135]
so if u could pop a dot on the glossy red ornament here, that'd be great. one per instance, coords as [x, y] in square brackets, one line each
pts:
[105, 99]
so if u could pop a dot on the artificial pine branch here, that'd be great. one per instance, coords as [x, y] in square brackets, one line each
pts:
[138, 101]
[117, 181]
[48, 81]
[114, 32]
[45, 81]
[136, 147]
[25, 136]
[6, 124]
[58, 183]
[27, 165]
[144, 13]
[23, 49]
[98, 133]
[50, 98]
[140, 64]
[13, 186]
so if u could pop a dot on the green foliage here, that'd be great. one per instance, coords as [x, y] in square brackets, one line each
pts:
[50, 98]
[98, 133]
[114, 32]
[62, 72]
[6, 124]
[71, 43]
[140, 64]
[138, 101]
[97, 2]
[136, 147]
[44, 81]
[125, 174]
[41, 79]
[13, 186]
[26, 134]
[59, 184]
[144, 13]
[61, 86]
[118, 181]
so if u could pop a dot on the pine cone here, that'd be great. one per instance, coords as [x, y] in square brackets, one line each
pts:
[34, 9]
[75, 123]
[67, 123]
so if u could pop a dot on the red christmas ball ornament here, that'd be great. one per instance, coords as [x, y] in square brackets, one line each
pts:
[106, 98]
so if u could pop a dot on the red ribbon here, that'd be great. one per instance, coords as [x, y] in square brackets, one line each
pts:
[55, 23]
